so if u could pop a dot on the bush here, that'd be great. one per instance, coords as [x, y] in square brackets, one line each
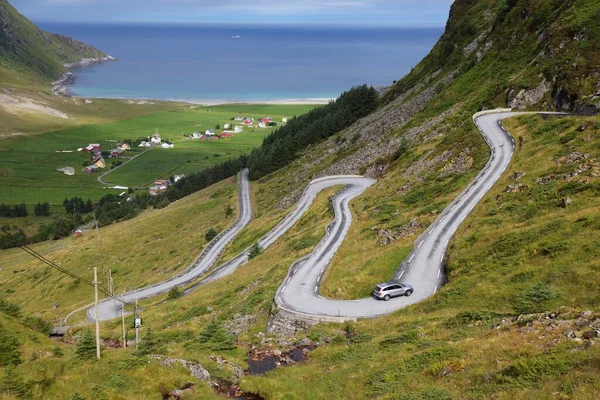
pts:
[533, 300]
[174, 294]
[10, 353]
[13, 385]
[57, 352]
[229, 211]
[255, 251]
[86, 347]
[150, 344]
[215, 338]
[211, 234]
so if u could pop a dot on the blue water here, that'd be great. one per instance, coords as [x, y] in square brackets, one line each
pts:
[193, 62]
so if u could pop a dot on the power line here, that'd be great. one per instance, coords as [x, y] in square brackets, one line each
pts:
[52, 264]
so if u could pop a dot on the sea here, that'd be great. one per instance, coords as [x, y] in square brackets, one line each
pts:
[243, 63]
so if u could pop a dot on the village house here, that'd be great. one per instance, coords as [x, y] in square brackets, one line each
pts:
[177, 178]
[196, 135]
[209, 132]
[284, 120]
[92, 148]
[117, 152]
[239, 118]
[262, 124]
[248, 121]
[167, 145]
[143, 143]
[226, 135]
[155, 139]
[238, 129]
[124, 146]
[227, 126]
[91, 169]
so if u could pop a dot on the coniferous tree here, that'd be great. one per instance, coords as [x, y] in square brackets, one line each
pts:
[86, 347]
[13, 384]
[10, 353]
[150, 344]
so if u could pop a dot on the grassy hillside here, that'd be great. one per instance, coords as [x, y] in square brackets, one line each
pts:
[30, 55]
[519, 315]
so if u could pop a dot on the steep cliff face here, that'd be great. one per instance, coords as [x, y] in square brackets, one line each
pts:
[28, 53]
[537, 53]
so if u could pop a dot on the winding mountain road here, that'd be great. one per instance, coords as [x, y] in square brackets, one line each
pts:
[109, 308]
[299, 293]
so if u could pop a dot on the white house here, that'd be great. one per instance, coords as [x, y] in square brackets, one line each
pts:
[177, 178]
[155, 139]
[262, 124]
[238, 129]
[238, 118]
[143, 143]
[210, 132]
[167, 145]
[196, 135]
[284, 120]
[227, 126]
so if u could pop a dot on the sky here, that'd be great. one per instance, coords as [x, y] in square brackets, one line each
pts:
[347, 12]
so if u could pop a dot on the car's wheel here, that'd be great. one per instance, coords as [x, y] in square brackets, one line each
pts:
[387, 297]
[408, 293]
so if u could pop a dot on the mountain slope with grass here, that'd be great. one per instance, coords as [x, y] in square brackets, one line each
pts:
[29, 55]
[519, 315]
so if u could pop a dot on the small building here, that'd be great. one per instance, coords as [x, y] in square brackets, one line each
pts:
[239, 118]
[59, 331]
[117, 152]
[227, 126]
[91, 169]
[209, 132]
[177, 178]
[238, 129]
[156, 190]
[196, 135]
[284, 120]
[93, 147]
[124, 146]
[248, 121]
[143, 143]
[155, 139]
[167, 145]
[263, 124]
[225, 135]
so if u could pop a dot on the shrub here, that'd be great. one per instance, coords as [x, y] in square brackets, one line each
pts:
[13, 384]
[10, 353]
[57, 352]
[211, 234]
[215, 338]
[533, 299]
[229, 211]
[150, 344]
[86, 347]
[174, 294]
[255, 251]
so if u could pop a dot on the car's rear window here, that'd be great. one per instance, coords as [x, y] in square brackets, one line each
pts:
[377, 287]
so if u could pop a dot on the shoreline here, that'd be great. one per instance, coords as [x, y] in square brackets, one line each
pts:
[61, 87]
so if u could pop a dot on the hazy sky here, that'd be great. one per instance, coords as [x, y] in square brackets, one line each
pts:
[371, 12]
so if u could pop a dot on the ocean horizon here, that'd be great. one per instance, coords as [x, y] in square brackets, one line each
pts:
[209, 64]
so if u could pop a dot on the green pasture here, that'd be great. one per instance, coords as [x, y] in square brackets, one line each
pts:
[28, 164]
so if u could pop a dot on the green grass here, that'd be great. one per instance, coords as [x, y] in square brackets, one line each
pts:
[29, 163]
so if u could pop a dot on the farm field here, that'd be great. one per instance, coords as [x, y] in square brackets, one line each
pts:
[28, 164]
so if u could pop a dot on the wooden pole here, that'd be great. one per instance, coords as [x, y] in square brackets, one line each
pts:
[123, 319]
[137, 330]
[96, 312]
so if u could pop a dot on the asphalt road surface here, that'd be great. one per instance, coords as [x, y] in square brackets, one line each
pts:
[299, 292]
[110, 308]
[424, 267]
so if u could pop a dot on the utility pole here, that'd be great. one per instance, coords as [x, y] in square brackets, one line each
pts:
[99, 242]
[111, 290]
[137, 329]
[123, 319]
[96, 312]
